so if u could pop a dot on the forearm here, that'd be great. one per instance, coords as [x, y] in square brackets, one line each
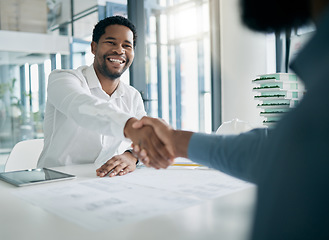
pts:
[181, 141]
[237, 155]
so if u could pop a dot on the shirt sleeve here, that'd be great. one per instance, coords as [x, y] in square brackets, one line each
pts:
[237, 155]
[70, 95]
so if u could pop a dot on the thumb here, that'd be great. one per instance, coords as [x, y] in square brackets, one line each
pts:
[138, 124]
[142, 122]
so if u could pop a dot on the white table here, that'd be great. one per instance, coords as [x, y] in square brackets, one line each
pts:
[228, 217]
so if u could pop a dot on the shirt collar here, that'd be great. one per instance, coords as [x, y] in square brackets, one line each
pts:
[311, 64]
[93, 82]
[92, 78]
[119, 92]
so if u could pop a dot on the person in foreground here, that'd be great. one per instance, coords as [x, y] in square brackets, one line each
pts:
[290, 163]
[89, 111]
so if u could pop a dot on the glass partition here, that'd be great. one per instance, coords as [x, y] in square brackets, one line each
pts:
[22, 96]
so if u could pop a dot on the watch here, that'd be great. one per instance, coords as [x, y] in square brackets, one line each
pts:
[131, 151]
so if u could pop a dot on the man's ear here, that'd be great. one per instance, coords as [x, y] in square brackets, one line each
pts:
[93, 47]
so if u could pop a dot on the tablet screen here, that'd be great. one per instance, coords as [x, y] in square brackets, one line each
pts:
[34, 176]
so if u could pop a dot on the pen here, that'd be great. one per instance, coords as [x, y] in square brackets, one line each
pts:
[187, 164]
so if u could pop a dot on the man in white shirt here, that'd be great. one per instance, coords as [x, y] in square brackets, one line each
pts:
[89, 111]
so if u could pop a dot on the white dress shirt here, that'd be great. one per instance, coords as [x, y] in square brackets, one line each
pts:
[82, 123]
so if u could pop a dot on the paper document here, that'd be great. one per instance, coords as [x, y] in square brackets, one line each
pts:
[106, 202]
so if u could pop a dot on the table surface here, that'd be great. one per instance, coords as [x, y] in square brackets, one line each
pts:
[228, 217]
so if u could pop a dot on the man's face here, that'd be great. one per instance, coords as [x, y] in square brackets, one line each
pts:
[275, 15]
[114, 51]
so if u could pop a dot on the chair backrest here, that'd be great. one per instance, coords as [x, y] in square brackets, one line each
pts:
[24, 155]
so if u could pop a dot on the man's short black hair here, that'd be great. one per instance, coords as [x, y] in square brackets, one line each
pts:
[99, 28]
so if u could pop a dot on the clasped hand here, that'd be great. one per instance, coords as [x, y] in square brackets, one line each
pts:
[174, 142]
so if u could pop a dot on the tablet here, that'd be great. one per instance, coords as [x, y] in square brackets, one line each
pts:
[34, 176]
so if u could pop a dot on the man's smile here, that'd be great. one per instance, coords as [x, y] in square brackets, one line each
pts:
[116, 60]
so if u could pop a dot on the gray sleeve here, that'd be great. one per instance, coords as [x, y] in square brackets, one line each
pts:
[237, 155]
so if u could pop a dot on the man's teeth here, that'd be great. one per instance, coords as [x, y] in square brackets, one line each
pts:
[116, 60]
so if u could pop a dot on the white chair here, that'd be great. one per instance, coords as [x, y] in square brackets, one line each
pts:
[235, 126]
[24, 155]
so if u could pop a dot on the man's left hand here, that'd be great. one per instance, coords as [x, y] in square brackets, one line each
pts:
[118, 165]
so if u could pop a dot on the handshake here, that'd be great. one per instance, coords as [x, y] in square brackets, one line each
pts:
[155, 143]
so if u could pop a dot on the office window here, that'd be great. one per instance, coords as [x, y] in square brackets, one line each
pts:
[24, 75]
[178, 63]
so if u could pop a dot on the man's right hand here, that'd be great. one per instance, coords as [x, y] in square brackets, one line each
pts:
[146, 138]
[176, 141]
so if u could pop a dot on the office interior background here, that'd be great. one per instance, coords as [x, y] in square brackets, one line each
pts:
[194, 60]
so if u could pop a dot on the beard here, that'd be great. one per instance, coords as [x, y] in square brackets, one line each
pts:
[275, 15]
[105, 71]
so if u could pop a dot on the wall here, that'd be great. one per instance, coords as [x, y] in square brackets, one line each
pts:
[244, 55]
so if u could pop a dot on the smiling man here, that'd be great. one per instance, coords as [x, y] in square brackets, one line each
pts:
[89, 111]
